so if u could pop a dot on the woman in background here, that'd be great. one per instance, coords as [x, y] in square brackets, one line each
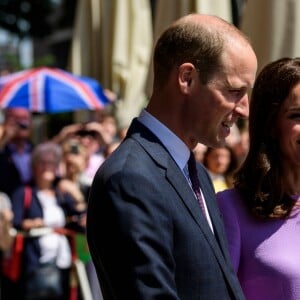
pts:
[6, 216]
[74, 162]
[220, 163]
[48, 208]
[262, 213]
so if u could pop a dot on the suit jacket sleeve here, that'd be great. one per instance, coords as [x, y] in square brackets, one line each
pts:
[138, 231]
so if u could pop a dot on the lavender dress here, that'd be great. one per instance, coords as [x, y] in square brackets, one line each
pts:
[265, 254]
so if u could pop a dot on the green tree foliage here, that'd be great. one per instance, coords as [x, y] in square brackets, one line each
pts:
[36, 18]
[26, 18]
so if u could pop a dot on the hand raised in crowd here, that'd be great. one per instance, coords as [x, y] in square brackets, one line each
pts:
[67, 132]
[28, 224]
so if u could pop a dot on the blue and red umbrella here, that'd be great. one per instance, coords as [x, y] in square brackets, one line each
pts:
[51, 90]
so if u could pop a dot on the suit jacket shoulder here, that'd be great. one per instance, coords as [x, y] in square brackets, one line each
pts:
[146, 232]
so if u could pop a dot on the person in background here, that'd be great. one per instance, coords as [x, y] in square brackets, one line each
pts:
[93, 138]
[6, 237]
[48, 208]
[110, 148]
[199, 152]
[221, 164]
[73, 163]
[109, 128]
[122, 133]
[262, 212]
[152, 231]
[234, 136]
[15, 149]
[241, 148]
[74, 160]
[6, 216]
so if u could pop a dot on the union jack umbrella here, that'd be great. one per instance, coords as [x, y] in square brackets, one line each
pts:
[50, 90]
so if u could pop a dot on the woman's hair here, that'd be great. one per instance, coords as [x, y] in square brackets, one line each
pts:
[46, 148]
[260, 178]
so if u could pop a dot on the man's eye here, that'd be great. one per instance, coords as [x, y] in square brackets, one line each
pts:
[236, 93]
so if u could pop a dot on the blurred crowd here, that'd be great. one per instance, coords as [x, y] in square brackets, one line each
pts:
[60, 172]
[223, 162]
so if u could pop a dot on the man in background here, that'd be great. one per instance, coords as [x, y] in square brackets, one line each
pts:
[15, 149]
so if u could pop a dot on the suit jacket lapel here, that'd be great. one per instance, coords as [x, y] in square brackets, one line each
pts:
[174, 175]
[214, 214]
[180, 184]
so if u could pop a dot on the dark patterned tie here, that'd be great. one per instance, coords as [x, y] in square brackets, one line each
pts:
[195, 181]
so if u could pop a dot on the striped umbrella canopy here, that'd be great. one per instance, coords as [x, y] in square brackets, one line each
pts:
[50, 90]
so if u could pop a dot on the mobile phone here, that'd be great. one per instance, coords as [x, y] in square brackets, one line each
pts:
[74, 149]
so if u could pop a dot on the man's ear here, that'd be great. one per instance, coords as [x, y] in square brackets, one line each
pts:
[185, 76]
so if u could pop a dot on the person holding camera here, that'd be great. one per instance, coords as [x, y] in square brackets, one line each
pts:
[15, 149]
[92, 137]
[47, 252]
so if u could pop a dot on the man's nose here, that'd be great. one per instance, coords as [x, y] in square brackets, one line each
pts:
[242, 107]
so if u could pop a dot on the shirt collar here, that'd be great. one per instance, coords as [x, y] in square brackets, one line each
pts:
[13, 149]
[176, 147]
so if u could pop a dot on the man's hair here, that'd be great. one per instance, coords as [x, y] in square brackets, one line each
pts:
[187, 40]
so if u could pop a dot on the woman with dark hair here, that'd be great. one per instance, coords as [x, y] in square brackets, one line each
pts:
[261, 214]
[220, 163]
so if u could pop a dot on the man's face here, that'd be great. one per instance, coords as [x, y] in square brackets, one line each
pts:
[216, 106]
[18, 120]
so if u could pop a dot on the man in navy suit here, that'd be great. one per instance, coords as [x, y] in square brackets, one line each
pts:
[15, 149]
[148, 236]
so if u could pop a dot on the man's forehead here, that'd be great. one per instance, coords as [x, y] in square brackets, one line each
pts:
[18, 113]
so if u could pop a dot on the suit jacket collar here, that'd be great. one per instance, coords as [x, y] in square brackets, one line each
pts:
[174, 175]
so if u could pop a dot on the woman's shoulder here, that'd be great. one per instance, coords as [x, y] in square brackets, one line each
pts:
[229, 194]
[230, 198]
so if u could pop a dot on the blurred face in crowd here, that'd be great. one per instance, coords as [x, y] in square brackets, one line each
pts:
[75, 163]
[109, 128]
[45, 167]
[111, 148]
[18, 122]
[241, 148]
[199, 151]
[89, 140]
[75, 158]
[218, 160]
